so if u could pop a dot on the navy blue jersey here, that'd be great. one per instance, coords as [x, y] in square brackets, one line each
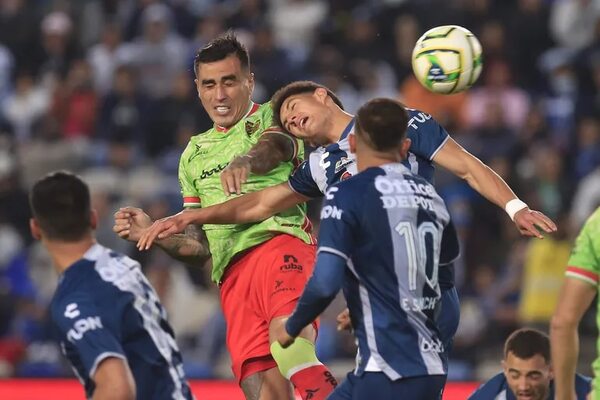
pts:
[330, 164]
[497, 389]
[104, 307]
[386, 225]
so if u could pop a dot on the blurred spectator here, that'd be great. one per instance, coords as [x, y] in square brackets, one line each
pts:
[104, 56]
[74, 104]
[159, 54]
[25, 105]
[573, 22]
[18, 30]
[296, 23]
[498, 89]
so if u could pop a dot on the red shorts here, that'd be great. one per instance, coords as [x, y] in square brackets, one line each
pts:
[264, 283]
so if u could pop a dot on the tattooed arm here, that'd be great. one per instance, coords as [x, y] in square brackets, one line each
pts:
[190, 247]
[273, 148]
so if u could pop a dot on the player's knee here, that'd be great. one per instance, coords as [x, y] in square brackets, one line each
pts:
[299, 355]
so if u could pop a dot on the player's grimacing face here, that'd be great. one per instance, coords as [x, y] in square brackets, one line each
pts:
[224, 88]
[303, 115]
[528, 379]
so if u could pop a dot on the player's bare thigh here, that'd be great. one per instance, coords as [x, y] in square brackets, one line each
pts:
[267, 385]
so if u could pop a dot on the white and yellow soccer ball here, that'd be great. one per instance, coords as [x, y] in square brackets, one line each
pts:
[447, 59]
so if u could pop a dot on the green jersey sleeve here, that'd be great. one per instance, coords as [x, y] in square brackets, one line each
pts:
[584, 262]
[190, 195]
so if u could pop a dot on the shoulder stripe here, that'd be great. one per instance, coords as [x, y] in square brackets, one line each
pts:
[583, 274]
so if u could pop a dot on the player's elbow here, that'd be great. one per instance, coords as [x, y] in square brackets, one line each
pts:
[114, 380]
[561, 322]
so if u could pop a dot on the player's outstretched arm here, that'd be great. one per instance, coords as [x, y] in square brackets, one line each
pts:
[190, 247]
[273, 148]
[574, 299]
[484, 180]
[251, 207]
[113, 380]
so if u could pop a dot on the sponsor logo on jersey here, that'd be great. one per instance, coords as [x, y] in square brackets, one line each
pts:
[210, 172]
[251, 127]
[342, 163]
[290, 264]
[434, 345]
[71, 311]
[331, 212]
[81, 326]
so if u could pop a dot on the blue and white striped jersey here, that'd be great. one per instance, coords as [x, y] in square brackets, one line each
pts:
[105, 307]
[388, 223]
[330, 164]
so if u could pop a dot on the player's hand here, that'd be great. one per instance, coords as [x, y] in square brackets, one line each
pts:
[162, 229]
[343, 321]
[235, 175]
[281, 335]
[130, 222]
[528, 221]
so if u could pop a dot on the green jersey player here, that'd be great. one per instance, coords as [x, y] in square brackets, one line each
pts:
[261, 268]
[578, 291]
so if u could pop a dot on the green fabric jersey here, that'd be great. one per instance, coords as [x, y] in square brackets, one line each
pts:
[201, 163]
[584, 264]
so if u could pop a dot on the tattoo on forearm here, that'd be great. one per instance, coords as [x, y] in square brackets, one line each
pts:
[272, 149]
[190, 247]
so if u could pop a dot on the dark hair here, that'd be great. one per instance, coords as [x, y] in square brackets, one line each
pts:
[526, 343]
[382, 123]
[60, 202]
[221, 47]
[293, 89]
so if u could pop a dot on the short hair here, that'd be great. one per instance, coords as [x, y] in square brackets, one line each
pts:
[294, 88]
[382, 123]
[220, 48]
[525, 343]
[60, 203]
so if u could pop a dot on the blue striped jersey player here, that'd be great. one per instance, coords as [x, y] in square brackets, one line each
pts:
[105, 307]
[380, 240]
[109, 321]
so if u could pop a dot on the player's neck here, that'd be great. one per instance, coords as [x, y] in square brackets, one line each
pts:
[368, 158]
[341, 120]
[65, 254]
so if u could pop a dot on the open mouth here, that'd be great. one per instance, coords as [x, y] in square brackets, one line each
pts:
[303, 122]
[222, 110]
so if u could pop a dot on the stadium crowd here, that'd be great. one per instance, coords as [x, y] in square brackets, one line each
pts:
[105, 88]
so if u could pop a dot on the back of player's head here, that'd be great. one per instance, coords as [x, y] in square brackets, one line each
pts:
[525, 343]
[382, 124]
[60, 203]
[220, 48]
[294, 88]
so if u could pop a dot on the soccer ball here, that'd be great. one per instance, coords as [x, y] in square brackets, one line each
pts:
[447, 59]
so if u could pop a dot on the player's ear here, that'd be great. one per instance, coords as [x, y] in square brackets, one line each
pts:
[352, 143]
[321, 94]
[404, 147]
[36, 233]
[504, 368]
[93, 219]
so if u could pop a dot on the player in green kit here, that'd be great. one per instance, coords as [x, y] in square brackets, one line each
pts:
[578, 292]
[261, 268]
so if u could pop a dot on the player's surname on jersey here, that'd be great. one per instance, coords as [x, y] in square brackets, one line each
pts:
[405, 193]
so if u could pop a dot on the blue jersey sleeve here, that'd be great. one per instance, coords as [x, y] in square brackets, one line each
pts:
[338, 223]
[583, 385]
[302, 181]
[82, 326]
[426, 135]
